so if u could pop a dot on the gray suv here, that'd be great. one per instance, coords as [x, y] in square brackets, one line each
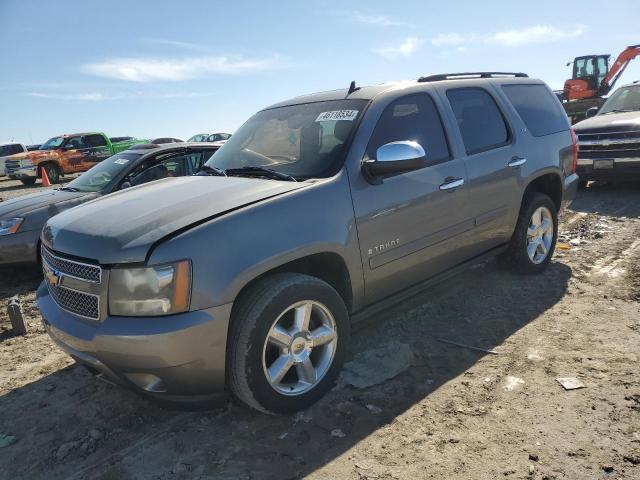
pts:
[316, 212]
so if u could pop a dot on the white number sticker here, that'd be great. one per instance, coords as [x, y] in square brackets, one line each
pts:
[349, 115]
[121, 161]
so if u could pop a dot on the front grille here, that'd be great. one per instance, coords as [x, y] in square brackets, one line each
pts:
[609, 145]
[72, 284]
[11, 166]
[84, 271]
[80, 303]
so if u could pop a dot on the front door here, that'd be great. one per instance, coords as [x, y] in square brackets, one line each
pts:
[409, 225]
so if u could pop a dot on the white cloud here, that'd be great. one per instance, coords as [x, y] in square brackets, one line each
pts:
[371, 19]
[174, 69]
[97, 96]
[174, 43]
[536, 34]
[406, 49]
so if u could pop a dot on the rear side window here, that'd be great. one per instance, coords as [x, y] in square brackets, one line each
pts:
[541, 113]
[96, 141]
[416, 118]
[480, 121]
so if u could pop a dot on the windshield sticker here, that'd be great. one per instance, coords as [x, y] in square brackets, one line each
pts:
[349, 115]
[121, 161]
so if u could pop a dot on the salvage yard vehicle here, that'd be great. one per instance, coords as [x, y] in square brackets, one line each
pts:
[210, 137]
[609, 140]
[318, 211]
[7, 149]
[65, 154]
[22, 218]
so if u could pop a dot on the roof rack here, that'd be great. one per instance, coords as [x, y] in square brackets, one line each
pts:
[461, 76]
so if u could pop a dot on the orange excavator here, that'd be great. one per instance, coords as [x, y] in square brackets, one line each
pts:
[593, 79]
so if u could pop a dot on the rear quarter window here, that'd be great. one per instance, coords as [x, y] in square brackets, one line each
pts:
[539, 110]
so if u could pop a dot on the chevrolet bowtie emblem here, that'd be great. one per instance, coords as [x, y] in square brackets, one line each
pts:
[53, 277]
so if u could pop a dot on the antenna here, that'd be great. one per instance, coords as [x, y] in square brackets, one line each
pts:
[352, 87]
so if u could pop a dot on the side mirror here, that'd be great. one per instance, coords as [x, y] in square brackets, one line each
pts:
[396, 157]
[124, 185]
[592, 112]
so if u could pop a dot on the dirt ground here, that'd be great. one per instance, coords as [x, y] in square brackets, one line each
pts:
[455, 413]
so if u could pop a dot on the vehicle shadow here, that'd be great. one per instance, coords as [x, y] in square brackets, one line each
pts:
[611, 199]
[78, 427]
[10, 188]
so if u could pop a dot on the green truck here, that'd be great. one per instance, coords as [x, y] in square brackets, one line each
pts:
[64, 154]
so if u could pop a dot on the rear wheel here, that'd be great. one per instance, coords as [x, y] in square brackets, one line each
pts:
[535, 236]
[53, 172]
[287, 342]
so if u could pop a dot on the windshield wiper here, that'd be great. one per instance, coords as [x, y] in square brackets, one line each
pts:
[208, 170]
[618, 110]
[68, 189]
[260, 172]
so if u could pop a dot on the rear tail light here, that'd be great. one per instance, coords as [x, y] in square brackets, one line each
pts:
[574, 140]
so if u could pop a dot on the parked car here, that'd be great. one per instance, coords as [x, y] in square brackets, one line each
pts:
[210, 137]
[65, 154]
[311, 216]
[7, 149]
[31, 148]
[162, 140]
[609, 139]
[22, 218]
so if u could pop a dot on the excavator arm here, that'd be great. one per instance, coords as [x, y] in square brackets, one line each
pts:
[618, 67]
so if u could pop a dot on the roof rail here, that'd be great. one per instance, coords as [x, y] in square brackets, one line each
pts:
[461, 76]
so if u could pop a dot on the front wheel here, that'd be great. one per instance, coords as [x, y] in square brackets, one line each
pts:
[535, 236]
[287, 342]
[53, 172]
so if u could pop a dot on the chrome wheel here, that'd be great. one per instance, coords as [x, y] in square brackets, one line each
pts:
[540, 235]
[300, 347]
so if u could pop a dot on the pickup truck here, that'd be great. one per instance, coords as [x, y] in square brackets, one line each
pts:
[64, 154]
[320, 209]
[7, 149]
[609, 139]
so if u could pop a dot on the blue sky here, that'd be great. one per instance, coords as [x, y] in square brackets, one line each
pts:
[154, 68]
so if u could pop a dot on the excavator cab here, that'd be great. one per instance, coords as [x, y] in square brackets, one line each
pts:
[589, 71]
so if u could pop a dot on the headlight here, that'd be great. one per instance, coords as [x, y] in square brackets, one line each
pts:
[159, 290]
[10, 225]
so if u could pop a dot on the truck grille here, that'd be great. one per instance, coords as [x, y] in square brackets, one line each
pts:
[11, 166]
[84, 271]
[609, 145]
[57, 269]
[80, 303]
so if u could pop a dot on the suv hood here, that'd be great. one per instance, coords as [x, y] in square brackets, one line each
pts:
[18, 207]
[610, 122]
[122, 227]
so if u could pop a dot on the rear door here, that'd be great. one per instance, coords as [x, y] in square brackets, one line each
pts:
[409, 225]
[98, 149]
[493, 156]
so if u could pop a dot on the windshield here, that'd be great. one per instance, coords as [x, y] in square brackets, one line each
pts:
[623, 99]
[52, 143]
[103, 173]
[304, 141]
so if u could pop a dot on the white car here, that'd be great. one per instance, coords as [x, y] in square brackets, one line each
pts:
[7, 149]
[210, 137]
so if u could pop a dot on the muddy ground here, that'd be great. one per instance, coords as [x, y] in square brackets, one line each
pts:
[454, 413]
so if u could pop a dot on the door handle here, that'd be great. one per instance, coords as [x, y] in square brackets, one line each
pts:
[517, 161]
[452, 184]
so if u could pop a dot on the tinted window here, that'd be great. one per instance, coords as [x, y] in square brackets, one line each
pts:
[103, 173]
[96, 141]
[413, 117]
[539, 110]
[481, 123]
[75, 143]
[6, 150]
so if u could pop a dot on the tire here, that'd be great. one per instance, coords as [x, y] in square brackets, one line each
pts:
[519, 257]
[53, 172]
[582, 184]
[273, 302]
[28, 181]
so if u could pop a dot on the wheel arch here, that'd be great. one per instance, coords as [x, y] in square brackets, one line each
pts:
[329, 267]
[550, 184]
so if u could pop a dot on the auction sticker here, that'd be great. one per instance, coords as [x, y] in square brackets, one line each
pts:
[349, 115]
[121, 161]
